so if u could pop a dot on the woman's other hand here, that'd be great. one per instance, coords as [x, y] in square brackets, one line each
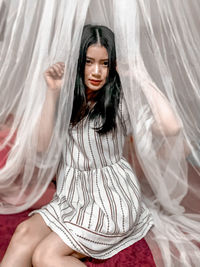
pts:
[54, 75]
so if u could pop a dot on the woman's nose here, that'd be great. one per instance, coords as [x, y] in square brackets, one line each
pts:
[96, 70]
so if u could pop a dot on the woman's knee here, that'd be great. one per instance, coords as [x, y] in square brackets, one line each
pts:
[42, 257]
[20, 243]
[23, 233]
[31, 231]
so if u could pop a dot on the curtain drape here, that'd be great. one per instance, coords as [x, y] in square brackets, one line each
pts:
[157, 46]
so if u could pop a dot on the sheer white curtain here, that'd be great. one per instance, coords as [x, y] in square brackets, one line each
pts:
[157, 46]
[37, 33]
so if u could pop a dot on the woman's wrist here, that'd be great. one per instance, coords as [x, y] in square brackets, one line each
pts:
[53, 91]
[52, 94]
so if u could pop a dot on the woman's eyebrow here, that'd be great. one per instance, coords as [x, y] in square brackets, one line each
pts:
[100, 59]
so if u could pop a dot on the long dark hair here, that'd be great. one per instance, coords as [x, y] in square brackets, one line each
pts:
[107, 98]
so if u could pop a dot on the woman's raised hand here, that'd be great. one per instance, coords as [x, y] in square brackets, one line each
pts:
[53, 76]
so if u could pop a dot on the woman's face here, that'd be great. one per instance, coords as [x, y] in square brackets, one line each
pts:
[96, 67]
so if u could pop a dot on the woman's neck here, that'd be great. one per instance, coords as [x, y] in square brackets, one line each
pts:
[90, 95]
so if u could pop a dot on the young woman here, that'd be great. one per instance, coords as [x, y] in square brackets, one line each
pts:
[97, 209]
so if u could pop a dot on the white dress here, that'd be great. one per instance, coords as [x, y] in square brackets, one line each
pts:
[97, 209]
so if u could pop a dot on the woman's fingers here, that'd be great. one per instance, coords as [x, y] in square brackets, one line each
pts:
[56, 70]
[52, 71]
[59, 68]
[54, 74]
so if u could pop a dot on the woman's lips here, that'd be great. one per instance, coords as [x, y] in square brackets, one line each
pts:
[95, 82]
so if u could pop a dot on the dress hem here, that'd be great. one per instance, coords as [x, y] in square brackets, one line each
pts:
[130, 240]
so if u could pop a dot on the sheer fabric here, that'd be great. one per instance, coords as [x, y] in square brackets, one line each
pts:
[157, 47]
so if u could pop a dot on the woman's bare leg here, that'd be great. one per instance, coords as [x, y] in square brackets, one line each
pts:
[24, 241]
[52, 251]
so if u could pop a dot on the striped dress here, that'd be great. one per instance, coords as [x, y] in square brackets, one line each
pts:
[97, 209]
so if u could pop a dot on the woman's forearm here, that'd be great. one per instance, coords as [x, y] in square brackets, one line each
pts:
[53, 77]
[47, 118]
[166, 121]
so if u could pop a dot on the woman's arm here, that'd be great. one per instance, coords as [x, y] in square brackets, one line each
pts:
[166, 120]
[53, 77]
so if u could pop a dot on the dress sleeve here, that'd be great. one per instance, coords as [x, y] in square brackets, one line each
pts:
[144, 119]
[143, 129]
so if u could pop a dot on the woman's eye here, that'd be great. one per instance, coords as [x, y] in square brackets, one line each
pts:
[105, 63]
[88, 61]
